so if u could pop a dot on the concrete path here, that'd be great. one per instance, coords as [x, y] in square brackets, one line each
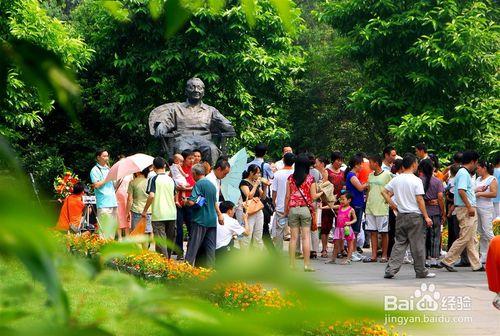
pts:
[462, 299]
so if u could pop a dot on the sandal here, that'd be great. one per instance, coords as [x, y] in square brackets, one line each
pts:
[309, 269]
[383, 260]
[324, 254]
[346, 262]
[369, 260]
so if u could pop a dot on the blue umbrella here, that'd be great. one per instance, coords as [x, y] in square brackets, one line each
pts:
[230, 185]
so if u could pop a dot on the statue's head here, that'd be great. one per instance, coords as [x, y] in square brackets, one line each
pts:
[195, 90]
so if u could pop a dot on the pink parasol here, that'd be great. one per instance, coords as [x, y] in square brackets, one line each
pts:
[131, 164]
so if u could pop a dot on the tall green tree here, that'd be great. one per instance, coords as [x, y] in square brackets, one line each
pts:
[37, 55]
[430, 68]
[249, 71]
[320, 115]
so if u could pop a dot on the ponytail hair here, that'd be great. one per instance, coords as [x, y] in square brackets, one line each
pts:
[145, 171]
[426, 168]
[353, 162]
[253, 168]
[301, 170]
[486, 165]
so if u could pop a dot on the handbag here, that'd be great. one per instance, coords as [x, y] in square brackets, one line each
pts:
[314, 223]
[253, 205]
[328, 195]
[268, 202]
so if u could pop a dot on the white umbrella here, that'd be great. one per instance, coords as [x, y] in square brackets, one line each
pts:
[129, 165]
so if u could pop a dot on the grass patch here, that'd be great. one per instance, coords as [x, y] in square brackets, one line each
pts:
[102, 300]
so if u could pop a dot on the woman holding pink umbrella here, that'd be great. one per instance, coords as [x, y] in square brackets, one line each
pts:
[121, 191]
[121, 173]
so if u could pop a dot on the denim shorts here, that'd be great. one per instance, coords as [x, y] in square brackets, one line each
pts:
[135, 219]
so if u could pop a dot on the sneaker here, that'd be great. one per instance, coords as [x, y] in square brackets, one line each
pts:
[388, 276]
[436, 266]
[355, 258]
[447, 267]
[427, 276]
[358, 255]
[462, 264]
[480, 269]
[407, 260]
[496, 301]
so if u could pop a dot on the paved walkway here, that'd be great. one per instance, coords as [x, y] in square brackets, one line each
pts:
[451, 290]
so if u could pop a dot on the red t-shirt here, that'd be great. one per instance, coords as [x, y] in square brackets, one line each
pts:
[338, 181]
[189, 178]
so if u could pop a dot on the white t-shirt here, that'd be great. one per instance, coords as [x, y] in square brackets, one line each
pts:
[279, 164]
[279, 186]
[405, 188]
[225, 232]
[484, 201]
[215, 181]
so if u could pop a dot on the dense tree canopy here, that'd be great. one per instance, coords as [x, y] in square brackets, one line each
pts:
[24, 109]
[351, 75]
[320, 115]
[430, 68]
[249, 73]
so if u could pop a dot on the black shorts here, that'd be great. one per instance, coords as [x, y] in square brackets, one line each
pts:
[356, 227]
[327, 218]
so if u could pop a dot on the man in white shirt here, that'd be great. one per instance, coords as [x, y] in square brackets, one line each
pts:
[409, 205]
[219, 171]
[281, 164]
[278, 189]
[228, 230]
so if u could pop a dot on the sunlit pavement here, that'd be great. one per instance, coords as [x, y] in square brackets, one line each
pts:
[463, 294]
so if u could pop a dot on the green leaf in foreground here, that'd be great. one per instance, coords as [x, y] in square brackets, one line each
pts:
[23, 236]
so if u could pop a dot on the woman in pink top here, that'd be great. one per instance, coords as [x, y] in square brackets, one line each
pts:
[121, 192]
[300, 194]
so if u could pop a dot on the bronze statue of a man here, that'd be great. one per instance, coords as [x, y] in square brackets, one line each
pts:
[190, 124]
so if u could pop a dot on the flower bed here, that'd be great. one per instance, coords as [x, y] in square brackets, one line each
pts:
[243, 296]
[353, 328]
[444, 239]
[86, 245]
[151, 265]
[235, 296]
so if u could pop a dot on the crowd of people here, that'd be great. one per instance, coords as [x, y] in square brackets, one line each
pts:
[396, 206]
